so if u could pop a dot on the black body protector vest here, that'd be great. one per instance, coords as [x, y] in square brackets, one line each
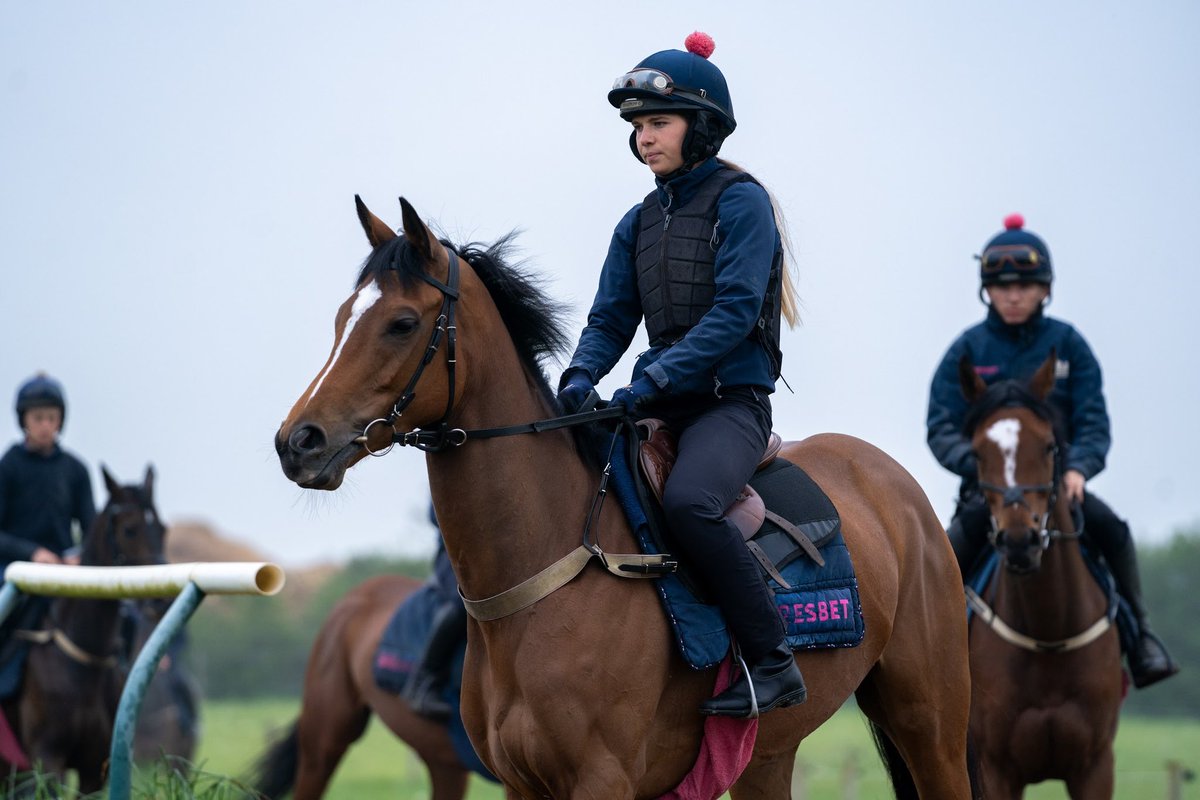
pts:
[675, 253]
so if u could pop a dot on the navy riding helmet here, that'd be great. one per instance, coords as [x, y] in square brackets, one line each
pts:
[1015, 256]
[40, 391]
[683, 83]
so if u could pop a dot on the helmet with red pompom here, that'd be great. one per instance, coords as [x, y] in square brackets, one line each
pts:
[684, 79]
[682, 82]
[1015, 255]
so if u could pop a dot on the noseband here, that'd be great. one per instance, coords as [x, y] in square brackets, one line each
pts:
[1016, 496]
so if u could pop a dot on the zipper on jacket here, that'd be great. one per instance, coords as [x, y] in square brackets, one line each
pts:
[667, 208]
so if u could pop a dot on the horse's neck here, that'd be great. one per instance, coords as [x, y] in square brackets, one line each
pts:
[1061, 598]
[510, 506]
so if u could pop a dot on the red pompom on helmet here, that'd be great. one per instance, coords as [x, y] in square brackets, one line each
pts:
[1014, 222]
[700, 43]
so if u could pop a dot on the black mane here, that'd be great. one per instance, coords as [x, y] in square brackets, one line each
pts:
[1011, 394]
[536, 323]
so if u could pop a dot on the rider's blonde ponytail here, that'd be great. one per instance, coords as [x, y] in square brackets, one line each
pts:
[790, 297]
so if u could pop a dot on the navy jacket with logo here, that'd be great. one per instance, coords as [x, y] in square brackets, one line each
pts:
[1000, 352]
[719, 350]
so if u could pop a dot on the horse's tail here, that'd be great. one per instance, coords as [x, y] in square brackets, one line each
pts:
[973, 768]
[274, 773]
[902, 780]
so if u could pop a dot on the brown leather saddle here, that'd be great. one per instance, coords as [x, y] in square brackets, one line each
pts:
[657, 453]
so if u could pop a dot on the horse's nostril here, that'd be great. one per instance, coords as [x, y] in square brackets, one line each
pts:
[306, 438]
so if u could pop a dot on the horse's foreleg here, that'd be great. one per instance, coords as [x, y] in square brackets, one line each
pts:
[449, 783]
[324, 733]
[767, 778]
[1098, 781]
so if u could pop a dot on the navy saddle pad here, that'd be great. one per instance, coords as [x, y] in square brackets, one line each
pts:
[399, 651]
[822, 609]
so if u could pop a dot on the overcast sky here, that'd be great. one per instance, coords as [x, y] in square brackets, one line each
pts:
[177, 224]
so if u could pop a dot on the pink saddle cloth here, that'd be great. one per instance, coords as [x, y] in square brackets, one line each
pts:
[725, 751]
[10, 748]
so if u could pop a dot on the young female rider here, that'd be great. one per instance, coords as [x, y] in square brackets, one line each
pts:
[1016, 338]
[701, 259]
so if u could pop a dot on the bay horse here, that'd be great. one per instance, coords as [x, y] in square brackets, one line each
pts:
[1045, 655]
[582, 694]
[64, 712]
[340, 694]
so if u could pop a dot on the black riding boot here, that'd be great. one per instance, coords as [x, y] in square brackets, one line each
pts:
[775, 681]
[1149, 661]
[425, 686]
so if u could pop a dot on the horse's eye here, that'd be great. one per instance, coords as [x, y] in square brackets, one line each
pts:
[403, 326]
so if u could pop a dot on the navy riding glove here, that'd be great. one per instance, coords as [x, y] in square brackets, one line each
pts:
[636, 395]
[573, 388]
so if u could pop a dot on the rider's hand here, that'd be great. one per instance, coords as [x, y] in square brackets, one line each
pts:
[44, 556]
[635, 396]
[1073, 483]
[575, 385]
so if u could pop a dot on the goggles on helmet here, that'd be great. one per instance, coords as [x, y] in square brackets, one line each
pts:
[1019, 257]
[649, 80]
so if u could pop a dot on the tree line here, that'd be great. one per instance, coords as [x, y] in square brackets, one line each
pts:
[255, 647]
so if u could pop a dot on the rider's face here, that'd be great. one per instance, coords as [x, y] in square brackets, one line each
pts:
[660, 141]
[42, 425]
[1017, 302]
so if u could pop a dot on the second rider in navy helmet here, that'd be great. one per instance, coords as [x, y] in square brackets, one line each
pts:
[700, 259]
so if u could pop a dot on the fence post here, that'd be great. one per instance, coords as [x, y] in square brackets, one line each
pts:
[121, 757]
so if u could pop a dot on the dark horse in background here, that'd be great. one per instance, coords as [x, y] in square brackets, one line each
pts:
[1046, 671]
[64, 712]
[340, 693]
[582, 695]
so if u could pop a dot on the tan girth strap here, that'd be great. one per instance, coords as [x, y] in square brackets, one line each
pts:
[72, 650]
[1006, 633]
[556, 575]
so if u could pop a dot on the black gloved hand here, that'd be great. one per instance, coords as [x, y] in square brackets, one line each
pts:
[637, 395]
[575, 385]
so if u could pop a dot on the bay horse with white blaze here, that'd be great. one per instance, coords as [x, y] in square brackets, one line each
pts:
[582, 694]
[1045, 656]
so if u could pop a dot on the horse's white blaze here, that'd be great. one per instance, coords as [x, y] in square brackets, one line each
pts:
[1005, 433]
[363, 300]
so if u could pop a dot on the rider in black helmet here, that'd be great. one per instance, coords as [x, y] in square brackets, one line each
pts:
[45, 492]
[1016, 276]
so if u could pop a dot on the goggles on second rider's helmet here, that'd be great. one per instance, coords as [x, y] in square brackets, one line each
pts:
[1012, 263]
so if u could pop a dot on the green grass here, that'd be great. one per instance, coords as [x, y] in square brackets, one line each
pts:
[379, 766]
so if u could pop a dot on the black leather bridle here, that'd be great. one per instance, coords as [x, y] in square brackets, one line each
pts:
[441, 436]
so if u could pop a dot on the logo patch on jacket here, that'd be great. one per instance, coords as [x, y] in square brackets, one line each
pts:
[986, 371]
[1062, 369]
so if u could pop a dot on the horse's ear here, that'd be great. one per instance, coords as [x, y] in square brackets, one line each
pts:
[148, 482]
[110, 482]
[417, 233]
[376, 229]
[973, 386]
[1043, 379]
